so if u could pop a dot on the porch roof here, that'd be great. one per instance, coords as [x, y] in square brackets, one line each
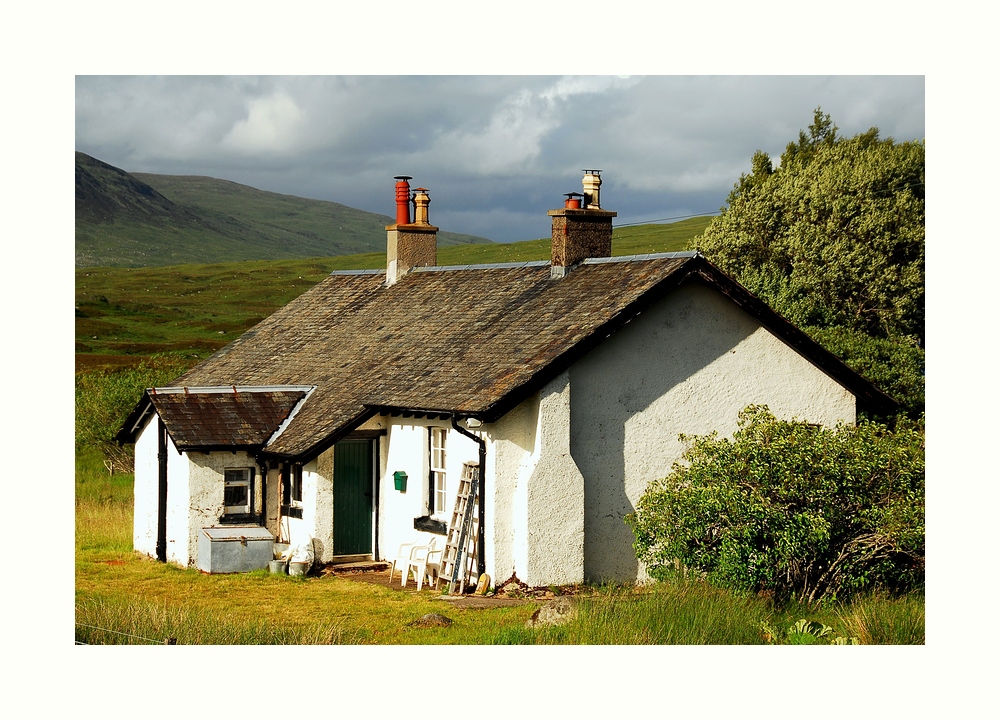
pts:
[223, 417]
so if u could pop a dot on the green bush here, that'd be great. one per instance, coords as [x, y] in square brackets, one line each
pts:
[104, 399]
[792, 509]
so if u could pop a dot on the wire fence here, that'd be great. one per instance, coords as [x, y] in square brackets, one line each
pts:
[150, 641]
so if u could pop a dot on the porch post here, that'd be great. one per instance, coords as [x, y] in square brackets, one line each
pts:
[161, 508]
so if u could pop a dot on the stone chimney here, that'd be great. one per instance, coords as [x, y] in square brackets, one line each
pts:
[580, 232]
[409, 244]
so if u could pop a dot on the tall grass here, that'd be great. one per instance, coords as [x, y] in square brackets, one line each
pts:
[101, 621]
[880, 620]
[681, 613]
[103, 506]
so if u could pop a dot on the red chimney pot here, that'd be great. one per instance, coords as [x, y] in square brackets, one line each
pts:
[402, 199]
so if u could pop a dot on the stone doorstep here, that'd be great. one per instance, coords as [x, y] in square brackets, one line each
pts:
[363, 566]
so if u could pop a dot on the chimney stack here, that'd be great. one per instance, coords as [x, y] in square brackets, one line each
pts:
[409, 244]
[580, 232]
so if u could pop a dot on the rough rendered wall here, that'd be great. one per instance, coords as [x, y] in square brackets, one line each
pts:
[273, 505]
[687, 365]
[316, 524]
[551, 522]
[205, 501]
[511, 458]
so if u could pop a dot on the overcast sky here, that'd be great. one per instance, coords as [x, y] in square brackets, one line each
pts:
[495, 152]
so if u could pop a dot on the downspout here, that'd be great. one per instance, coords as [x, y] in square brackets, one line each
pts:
[481, 540]
[161, 506]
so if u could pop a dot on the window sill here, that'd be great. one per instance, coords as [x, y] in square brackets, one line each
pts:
[430, 524]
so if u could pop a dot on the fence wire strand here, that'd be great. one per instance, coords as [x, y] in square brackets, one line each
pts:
[116, 632]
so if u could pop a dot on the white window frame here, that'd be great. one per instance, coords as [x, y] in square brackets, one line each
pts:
[438, 490]
[237, 477]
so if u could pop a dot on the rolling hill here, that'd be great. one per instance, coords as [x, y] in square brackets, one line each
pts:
[190, 311]
[146, 220]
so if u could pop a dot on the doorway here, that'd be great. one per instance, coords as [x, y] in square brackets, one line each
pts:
[353, 488]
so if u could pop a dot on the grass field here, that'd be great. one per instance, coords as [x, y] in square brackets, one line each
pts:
[194, 310]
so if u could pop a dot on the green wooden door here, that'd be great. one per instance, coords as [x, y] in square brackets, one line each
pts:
[353, 481]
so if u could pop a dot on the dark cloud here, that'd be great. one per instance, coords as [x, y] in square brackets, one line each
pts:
[495, 151]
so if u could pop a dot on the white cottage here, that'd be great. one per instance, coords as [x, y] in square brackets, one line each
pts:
[568, 381]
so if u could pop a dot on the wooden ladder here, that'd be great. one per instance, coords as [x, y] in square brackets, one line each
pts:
[461, 548]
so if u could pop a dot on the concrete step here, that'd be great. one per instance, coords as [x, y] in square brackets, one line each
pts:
[363, 566]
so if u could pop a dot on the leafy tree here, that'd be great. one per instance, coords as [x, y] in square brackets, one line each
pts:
[896, 365]
[790, 508]
[834, 238]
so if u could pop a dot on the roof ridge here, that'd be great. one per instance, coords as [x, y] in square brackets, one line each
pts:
[483, 266]
[648, 256]
[545, 263]
[208, 389]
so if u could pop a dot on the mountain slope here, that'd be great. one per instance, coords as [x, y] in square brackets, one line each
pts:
[143, 220]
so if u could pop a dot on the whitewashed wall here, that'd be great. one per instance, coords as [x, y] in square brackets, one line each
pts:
[195, 495]
[146, 494]
[687, 365]
[406, 449]
[511, 457]
[537, 526]
[204, 502]
[145, 491]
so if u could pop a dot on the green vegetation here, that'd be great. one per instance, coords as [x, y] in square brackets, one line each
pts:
[833, 239]
[124, 598]
[791, 509]
[105, 397]
[193, 310]
[144, 220]
[187, 310]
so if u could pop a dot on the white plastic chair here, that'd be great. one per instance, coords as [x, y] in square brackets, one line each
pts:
[435, 558]
[402, 558]
[423, 558]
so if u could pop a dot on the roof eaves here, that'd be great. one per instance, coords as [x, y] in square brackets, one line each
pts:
[134, 421]
[320, 447]
[550, 371]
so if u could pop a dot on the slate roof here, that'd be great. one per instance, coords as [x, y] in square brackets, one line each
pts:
[204, 418]
[470, 341]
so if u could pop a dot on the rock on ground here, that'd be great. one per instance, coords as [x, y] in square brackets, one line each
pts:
[555, 612]
[431, 620]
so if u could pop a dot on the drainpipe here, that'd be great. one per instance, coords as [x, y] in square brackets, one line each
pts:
[481, 540]
[161, 495]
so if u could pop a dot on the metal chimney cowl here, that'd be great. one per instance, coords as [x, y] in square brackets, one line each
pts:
[592, 189]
